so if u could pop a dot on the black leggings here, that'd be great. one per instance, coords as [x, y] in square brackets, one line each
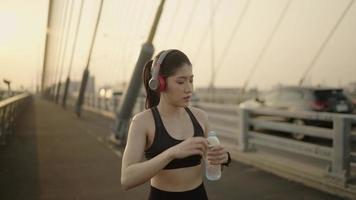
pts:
[198, 193]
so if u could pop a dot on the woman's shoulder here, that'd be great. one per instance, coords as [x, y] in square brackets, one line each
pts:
[202, 117]
[199, 113]
[141, 124]
[143, 117]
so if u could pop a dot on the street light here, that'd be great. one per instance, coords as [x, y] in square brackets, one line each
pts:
[8, 83]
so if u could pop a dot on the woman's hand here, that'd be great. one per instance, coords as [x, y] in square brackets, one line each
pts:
[217, 155]
[189, 147]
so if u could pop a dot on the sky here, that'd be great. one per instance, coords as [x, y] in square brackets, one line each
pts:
[278, 38]
[23, 26]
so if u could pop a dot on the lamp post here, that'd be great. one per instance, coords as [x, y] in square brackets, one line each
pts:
[8, 83]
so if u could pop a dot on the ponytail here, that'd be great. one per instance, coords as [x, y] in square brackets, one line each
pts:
[152, 97]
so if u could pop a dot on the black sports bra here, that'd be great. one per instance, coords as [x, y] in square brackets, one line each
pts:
[162, 141]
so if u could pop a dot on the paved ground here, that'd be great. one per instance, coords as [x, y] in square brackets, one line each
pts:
[53, 155]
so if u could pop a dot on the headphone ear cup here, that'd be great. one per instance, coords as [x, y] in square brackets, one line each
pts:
[162, 83]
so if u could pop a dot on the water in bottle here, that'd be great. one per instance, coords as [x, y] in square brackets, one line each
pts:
[213, 172]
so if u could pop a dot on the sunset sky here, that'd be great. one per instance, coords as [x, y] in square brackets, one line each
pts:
[21, 40]
[125, 24]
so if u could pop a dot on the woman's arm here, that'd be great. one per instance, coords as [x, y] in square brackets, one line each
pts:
[218, 154]
[135, 172]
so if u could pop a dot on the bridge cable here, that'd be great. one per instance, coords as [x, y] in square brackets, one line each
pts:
[121, 58]
[72, 52]
[326, 41]
[226, 50]
[94, 34]
[58, 42]
[114, 55]
[75, 42]
[104, 60]
[66, 42]
[212, 45]
[136, 32]
[132, 30]
[169, 30]
[265, 47]
[188, 24]
[59, 47]
[124, 49]
[205, 34]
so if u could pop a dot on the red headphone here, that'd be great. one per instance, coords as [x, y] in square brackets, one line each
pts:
[158, 82]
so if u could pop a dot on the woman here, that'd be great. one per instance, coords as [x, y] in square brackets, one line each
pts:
[170, 134]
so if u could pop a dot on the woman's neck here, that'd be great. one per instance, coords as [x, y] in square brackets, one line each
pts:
[167, 109]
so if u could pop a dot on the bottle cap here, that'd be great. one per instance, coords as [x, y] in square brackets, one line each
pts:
[212, 139]
[211, 133]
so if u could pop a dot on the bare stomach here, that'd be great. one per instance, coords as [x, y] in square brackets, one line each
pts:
[178, 180]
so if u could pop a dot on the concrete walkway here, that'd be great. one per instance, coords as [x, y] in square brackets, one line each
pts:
[54, 155]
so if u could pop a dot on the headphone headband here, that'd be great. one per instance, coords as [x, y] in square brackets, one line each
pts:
[156, 65]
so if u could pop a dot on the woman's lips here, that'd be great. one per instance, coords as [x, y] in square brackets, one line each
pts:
[187, 98]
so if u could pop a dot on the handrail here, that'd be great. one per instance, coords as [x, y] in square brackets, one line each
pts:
[339, 153]
[13, 99]
[300, 114]
[9, 110]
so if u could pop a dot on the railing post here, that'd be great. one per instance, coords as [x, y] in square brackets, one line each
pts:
[99, 102]
[93, 100]
[2, 125]
[13, 116]
[106, 107]
[244, 127]
[8, 119]
[341, 146]
[114, 103]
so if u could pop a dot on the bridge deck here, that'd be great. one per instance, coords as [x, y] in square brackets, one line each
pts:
[54, 155]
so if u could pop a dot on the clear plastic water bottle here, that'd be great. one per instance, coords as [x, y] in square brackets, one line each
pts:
[212, 172]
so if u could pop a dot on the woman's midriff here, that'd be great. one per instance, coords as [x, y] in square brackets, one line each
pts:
[178, 180]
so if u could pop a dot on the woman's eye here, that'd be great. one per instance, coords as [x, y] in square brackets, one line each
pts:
[180, 82]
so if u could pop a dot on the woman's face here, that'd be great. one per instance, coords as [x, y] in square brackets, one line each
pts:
[179, 87]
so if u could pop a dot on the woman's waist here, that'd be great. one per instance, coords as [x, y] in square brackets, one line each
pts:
[177, 180]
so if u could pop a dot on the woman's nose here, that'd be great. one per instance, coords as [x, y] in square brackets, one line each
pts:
[188, 87]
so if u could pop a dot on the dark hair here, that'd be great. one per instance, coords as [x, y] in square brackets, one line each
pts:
[173, 61]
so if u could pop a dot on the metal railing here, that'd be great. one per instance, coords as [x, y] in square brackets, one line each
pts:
[331, 164]
[338, 156]
[233, 123]
[9, 110]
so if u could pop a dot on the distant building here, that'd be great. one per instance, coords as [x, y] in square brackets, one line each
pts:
[352, 87]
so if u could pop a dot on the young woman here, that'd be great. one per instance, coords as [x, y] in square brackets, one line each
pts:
[167, 141]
